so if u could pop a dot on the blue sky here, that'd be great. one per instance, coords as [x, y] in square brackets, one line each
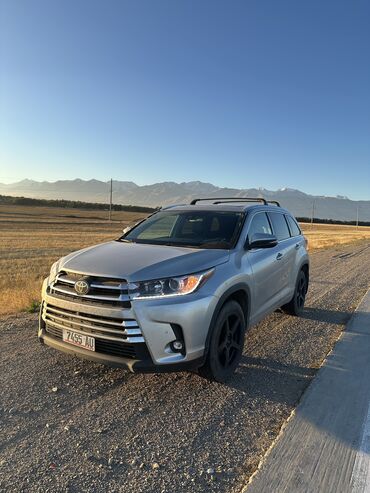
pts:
[237, 93]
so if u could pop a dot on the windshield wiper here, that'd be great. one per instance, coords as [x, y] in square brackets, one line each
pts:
[125, 241]
[215, 244]
[166, 243]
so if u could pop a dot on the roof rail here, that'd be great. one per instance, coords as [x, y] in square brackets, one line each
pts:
[220, 200]
[274, 202]
[171, 206]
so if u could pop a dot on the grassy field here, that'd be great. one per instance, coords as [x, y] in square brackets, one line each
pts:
[327, 235]
[32, 238]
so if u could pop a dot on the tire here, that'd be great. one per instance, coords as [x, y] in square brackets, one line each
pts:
[226, 343]
[296, 304]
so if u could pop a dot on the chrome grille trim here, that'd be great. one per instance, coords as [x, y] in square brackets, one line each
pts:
[121, 285]
[119, 330]
[102, 289]
[123, 323]
[72, 292]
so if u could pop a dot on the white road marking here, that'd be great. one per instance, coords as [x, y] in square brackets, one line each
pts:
[360, 480]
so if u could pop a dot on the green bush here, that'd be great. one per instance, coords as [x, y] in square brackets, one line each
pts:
[34, 306]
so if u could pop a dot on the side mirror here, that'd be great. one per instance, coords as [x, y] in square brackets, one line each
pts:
[261, 240]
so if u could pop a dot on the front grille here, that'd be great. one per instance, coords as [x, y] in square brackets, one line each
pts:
[121, 349]
[103, 290]
[105, 328]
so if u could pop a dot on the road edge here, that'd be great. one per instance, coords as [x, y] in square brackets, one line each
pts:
[261, 474]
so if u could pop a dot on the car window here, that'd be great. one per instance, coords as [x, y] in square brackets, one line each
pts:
[215, 224]
[294, 228]
[279, 225]
[192, 226]
[203, 229]
[259, 224]
[160, 228]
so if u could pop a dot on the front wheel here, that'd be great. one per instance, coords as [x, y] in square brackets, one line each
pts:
[296, 304]
[226, 343]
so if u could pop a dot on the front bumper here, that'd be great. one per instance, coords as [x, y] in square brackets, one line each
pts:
[133, 365]
[157, 319]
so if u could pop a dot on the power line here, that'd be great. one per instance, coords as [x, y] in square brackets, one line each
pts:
[313, 212]
[110, 200]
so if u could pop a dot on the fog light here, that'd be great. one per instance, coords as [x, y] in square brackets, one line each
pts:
[177, 346]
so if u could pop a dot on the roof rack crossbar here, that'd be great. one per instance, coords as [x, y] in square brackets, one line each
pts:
[219, 200]
[240, 200]
[274, 202]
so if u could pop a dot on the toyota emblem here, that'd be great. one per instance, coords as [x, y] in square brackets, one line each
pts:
[82, 287]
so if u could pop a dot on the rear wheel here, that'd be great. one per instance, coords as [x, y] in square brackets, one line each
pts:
[296, 304]
[226, 343]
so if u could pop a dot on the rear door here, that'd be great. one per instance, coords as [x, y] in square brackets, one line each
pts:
[299, 245]
[286, 253]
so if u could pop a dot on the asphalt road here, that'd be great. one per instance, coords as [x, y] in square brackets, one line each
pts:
[71, 425]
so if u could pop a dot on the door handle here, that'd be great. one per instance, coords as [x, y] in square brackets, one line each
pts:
[297, 245]
[279, 256]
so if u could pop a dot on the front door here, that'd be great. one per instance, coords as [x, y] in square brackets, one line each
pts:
[267, 270]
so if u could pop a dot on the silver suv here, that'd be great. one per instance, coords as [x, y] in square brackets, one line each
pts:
[179, 289]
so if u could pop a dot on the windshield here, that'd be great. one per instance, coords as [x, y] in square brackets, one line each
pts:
[202, 229]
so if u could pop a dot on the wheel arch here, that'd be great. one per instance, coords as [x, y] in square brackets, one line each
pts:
[240, 292]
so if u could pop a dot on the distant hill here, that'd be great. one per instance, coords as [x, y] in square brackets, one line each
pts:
[70, 204]
[127, 192]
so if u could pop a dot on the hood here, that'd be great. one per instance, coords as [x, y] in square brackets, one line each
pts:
[140, 262]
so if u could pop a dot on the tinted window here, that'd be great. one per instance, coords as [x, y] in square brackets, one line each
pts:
[294, 228]
[279, 225]
[204, 229]
[161, 228]
[259, 224]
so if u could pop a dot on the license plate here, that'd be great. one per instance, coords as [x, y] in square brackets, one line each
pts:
[80, 340]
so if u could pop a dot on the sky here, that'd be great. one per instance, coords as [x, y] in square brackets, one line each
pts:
[239, 93]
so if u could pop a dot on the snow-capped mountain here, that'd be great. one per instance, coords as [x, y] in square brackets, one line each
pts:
[127, 192]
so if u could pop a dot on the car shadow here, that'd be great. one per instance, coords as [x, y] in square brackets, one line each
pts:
[269, 379]
[328, 316]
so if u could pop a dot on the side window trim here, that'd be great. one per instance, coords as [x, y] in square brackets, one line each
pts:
[298, 226]
[287, 217]
[272, 228]
[289, 227]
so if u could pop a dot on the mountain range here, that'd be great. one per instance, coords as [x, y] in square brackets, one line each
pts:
[129, 193]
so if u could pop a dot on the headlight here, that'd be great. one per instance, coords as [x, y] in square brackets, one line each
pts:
[173, 286]
[54, 270]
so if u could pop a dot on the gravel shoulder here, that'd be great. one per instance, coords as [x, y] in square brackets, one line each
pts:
[71, 425]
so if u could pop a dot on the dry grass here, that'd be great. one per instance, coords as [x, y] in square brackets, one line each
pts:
[32, 238]
[327, 235]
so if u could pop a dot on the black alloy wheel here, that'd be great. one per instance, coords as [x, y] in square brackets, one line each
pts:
[226, 343]
[231, 340]
[301, 292]
[296, 304]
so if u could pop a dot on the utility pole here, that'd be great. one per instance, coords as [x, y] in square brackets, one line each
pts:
[357, 218]
[110, 199]
[313, 212]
